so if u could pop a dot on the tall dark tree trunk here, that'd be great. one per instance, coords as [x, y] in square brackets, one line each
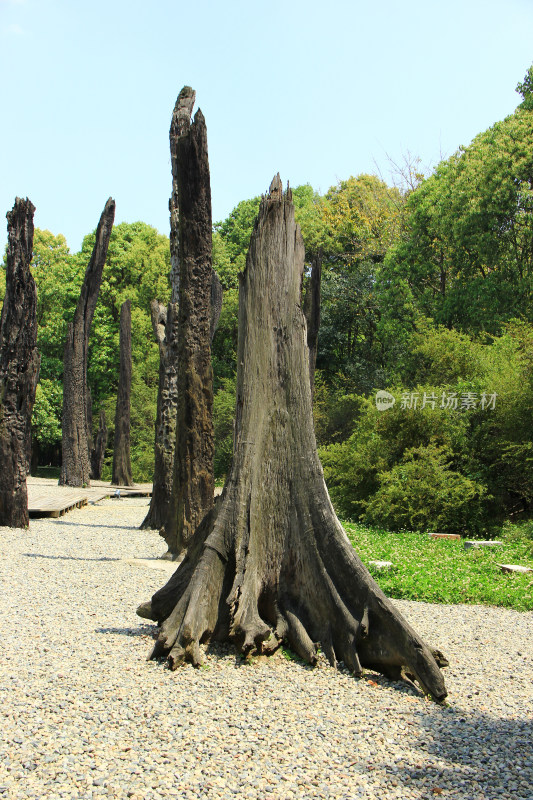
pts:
[98, 452]
[121, 449]
[19, 366]
[193, 486]
[75, 467]
[312, 314]
[165, 325]
[271, 561]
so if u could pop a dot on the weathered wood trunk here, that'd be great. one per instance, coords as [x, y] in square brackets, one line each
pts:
[165, 325]
[271, 561]
[75, 467]
[312, 315]
[193, 484]
[121, 475]
[19, 366]
[98, 452]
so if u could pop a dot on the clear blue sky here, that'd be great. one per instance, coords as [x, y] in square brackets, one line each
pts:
[318, 91]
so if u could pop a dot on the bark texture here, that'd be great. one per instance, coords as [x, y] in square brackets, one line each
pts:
[98, 452]
[76, 435]
[19, 366]
[312, 315]
[193, 480]
[271, 561]
[121, 474]
[165, 325]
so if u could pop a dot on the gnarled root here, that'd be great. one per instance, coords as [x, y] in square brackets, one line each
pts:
[322, 595]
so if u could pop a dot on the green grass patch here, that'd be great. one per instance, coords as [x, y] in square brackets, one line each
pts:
[442, 571]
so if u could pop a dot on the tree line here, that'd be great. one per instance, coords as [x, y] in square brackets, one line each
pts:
[426, 293]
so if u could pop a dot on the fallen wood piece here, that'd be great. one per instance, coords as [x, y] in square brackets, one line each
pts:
[510, 568]
[444, 536]
[469, 544]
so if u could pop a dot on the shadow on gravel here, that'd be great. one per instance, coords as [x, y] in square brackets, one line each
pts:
[486, 756]
[141, 630]
[69, 558]
[91, 525]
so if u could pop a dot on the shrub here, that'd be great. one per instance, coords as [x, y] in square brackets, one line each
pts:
[422, 492]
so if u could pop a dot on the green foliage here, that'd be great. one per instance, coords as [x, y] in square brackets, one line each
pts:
[440, 571]
[235, 232]
[223, 417]
[224, 345]
[356, 468]
[423, 493]
[137, 268]
[363, 218]
[58, 276]
[521, 535]
[46, 417]
[525, 88]
[468, 250]
[2, 282]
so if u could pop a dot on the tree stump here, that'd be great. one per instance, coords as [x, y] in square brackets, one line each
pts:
[121, 473]
[19, 366]
[76, 436]
[271, 562]
[193, 486]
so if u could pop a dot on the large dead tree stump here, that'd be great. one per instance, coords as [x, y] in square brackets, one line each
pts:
[19, 366]
[271, 561]
[193, 486]
[76, 435]
[121, 473]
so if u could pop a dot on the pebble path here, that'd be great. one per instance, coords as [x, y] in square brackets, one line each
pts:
[83, 714]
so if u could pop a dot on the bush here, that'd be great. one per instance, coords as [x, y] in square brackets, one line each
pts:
[423, 493]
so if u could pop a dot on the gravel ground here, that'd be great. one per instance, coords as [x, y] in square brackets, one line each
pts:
[84, 715]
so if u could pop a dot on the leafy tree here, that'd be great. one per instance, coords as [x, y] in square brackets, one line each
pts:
[525, 88]
[468, 253]
[362, 218]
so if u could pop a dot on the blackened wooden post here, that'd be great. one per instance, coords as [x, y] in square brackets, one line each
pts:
[76, 467]
[121, 450]
[19, 366]
[193, 489]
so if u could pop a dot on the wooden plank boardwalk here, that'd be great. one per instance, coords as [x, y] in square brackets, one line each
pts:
[47, 499]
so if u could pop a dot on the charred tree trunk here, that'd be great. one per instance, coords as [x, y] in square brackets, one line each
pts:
[271, 561]
[193, 480]
[312, 315]
[75, 467]
[98, 453]
[121, 448]
[19, 366]
[164, 323]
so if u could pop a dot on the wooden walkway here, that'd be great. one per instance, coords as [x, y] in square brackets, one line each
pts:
[47, 499]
